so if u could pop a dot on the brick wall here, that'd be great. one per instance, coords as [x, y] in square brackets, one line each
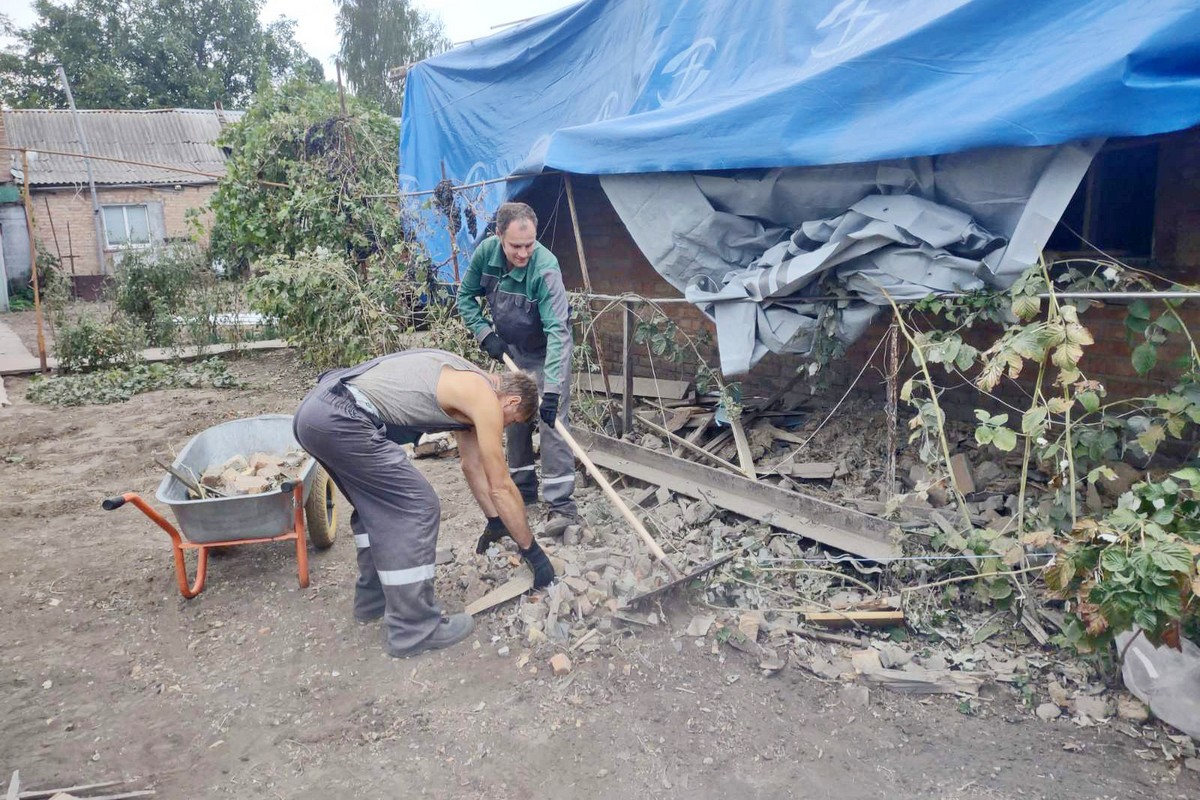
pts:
[616, 265]
[57, 210]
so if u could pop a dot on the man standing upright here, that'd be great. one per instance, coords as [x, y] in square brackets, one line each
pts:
[529, 320]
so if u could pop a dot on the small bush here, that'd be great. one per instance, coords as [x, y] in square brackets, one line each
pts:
[152, 286]
[88, 343]
[335, 315]
[119, 384]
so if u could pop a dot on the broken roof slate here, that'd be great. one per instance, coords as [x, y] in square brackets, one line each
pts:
[179, 137]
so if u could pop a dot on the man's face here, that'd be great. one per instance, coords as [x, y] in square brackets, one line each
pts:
[518, 241]
[510, 405]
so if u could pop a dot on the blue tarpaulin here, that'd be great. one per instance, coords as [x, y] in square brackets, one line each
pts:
[756, 148]
[626, 86]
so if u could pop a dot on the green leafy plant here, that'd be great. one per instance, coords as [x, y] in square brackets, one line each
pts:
[116, 385]
[89, 343]
[336, 316]
[302, 175]
[153, 285]
[1135, 567]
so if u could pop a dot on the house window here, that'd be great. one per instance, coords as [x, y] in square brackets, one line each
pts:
[126, 226]
[1113, 208]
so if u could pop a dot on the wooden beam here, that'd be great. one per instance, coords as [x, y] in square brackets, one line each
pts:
[516, 586]
[587, 287]
[816, 519]
[842, 619]
[642, 387]
[743, 448]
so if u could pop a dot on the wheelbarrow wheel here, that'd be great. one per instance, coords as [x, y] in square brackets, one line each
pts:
[320, 511]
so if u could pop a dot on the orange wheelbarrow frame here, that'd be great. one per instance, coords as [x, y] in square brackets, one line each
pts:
[298, 533]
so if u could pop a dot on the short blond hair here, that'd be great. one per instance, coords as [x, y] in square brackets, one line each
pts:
[522, 385]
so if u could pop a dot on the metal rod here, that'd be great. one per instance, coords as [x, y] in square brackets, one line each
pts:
[37, 294]
[476, 184]
[627, 367]
[1163, 295]
[98, 218]
[163, 167]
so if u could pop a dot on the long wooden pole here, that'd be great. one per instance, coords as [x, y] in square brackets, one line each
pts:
[587, 287]
[37, 294]
[608, 490]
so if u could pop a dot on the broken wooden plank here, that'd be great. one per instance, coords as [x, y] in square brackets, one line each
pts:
[41, 794]
[839, 619]
[515, 586]
[745, 459]
[809, 471]
[14, 786]
[779, 433]
[642, 387]
[685, 444]
[929, 681]
[819, 520]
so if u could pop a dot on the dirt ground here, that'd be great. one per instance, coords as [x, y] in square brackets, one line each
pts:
[258, 688]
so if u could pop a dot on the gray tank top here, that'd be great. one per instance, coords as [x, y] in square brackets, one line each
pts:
[403, 389]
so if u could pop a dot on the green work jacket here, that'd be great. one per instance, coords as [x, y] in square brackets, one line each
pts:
[528, 306]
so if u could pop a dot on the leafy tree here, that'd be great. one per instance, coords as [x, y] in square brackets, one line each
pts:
[339, 174]
[150, 54]
[379, 35]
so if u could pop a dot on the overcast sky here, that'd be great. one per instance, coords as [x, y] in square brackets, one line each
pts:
[317, 31]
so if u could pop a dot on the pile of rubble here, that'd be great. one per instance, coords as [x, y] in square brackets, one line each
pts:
[242, 475]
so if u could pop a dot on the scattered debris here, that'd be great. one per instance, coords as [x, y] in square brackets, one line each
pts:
[561, 664]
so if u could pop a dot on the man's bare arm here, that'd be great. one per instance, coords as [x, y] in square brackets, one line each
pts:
[473, 397]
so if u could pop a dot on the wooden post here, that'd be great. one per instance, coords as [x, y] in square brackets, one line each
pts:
[37, 295]
[587, 288]
[453, 231]
[627, 368]
[337, 65]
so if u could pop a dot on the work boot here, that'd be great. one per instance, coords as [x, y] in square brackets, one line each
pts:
[452, 630]
[557, 523]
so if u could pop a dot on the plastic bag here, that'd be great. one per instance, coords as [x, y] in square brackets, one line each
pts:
[1165, 679]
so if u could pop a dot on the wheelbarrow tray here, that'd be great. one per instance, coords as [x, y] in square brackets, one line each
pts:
[220, 519]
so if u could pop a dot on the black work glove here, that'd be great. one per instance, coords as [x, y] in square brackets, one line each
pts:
[549, 408]
[494, 532]
[539, 562]
[494, 346]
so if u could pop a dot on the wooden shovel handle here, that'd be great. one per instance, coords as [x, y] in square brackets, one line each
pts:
[607, 488]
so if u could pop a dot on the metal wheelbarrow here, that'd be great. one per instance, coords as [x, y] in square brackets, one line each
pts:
[276, 516]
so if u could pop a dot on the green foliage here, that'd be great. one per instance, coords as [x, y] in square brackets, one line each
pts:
[339, 176]
[336, 316]
[1120, 568]
[993, 430]
[89, 343]
[1136, 566]
[119, 384]
[380, 35]
[150, 54]
[151, 286]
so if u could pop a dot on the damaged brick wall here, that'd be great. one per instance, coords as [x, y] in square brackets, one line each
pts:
[616, 265]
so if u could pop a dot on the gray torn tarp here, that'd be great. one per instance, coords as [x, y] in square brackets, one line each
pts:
[753, 249]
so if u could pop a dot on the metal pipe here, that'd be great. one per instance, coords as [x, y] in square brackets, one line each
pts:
[1164, 295]
[83, 145]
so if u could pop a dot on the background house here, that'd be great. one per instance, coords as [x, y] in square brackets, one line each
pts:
[142, 201]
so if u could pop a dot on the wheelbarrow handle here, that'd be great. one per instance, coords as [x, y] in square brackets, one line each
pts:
[113, 503]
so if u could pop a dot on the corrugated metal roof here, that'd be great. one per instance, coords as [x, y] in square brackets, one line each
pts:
[181, 137]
